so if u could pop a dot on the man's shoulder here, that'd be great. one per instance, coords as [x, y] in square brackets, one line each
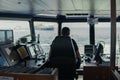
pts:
[61, 37]
[73, 40]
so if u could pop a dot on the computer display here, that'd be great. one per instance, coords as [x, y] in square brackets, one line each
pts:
[3, 61]
[2, 37]
[10, 54]
[22, 52]
[35, 50]
[6, 36]
[89, 49]
[32, 52]
[9, 34]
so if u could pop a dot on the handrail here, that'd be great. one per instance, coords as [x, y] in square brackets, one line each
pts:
[115, 75]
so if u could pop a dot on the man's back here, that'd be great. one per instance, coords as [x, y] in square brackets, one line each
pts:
[62, 45]
[63, 57]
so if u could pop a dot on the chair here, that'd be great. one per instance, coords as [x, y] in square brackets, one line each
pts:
[62, 56]
[89, 52]
[98, 52]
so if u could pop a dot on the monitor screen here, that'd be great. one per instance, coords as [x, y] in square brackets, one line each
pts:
[2, 36]
[89, 49]
[10, 54]
[3, 61]
[22, 52]
[9, 34]
[32, 52]
[6, 36]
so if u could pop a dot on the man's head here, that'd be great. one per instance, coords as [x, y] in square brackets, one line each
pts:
[65, 31]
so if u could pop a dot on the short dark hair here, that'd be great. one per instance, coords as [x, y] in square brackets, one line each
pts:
[65, 31]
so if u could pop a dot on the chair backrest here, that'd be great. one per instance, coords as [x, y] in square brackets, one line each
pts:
[62, 50]
[99, 49]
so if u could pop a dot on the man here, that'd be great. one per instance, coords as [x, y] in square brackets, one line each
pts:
[64, 55]
[66, 32]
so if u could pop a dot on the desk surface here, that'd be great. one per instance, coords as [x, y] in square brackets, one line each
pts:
[52, 74]
[94, 64]
[32, 63]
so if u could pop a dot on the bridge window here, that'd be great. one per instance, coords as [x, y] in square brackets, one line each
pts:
[79, 32]
[47, 31]
[102, 33]
[20, 28]
[118, 44]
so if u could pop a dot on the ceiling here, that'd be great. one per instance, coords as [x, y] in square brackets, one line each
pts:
[54, 7]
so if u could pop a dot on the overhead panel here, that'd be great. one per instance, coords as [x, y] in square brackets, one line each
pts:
[15, 6]
[75, 6]
[86, 6]
[102, 7]
[97, 7]
[118, 7]
[67, 6]
[45, 6]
